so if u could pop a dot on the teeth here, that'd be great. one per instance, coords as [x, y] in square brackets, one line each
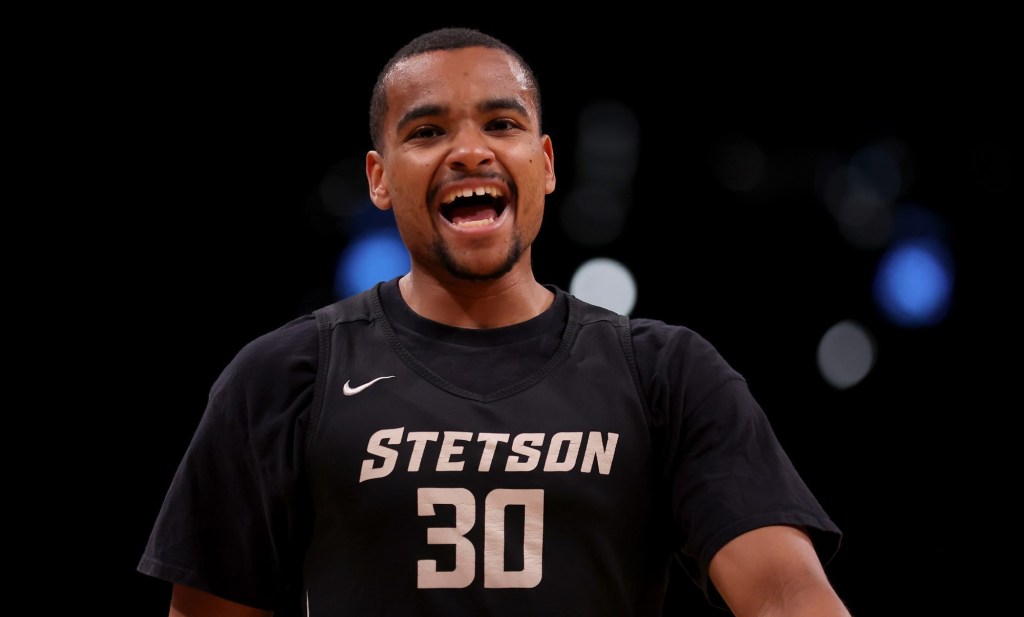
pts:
[486, 221]
[469, 192]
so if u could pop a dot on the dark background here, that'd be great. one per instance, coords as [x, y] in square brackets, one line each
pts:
[205, 138]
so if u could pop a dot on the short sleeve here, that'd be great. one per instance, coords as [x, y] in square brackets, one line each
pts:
[234, 518]
[726, 472]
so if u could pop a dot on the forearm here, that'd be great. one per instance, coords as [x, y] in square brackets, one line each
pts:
[189, 602]
[808, 602]
[774, 572]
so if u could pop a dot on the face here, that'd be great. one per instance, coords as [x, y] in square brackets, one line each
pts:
[463, 164]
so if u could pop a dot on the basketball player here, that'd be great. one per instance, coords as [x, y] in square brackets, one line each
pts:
[465, 440]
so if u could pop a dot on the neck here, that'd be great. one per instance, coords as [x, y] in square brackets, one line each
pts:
[512, 299]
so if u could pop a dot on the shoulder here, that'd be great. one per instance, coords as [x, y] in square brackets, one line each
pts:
[286, 355]
[658, 341]
[657, 345]
[287, 342]
[363, 306]
[284, 361]
[672, 357]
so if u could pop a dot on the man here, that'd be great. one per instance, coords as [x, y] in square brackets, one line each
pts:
[464, 440]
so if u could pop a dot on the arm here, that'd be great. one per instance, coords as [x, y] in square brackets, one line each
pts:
[189, 602]
[774, 571]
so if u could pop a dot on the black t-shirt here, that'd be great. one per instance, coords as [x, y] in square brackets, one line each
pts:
[364, 460]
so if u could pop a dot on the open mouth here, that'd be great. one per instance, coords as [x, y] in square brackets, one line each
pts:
[473, 207]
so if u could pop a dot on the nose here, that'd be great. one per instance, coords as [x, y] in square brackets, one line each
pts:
[470, 150]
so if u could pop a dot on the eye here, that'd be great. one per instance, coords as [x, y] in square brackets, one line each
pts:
[502, 124]
[425, 132]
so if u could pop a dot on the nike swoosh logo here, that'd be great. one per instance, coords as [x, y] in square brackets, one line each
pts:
[348, 390]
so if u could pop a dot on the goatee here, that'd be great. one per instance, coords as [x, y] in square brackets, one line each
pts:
[515, 252]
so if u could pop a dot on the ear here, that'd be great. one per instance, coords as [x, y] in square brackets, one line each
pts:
[377, 180]
[549, 164]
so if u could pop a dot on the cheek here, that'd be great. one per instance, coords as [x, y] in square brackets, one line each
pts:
[415, 221]
[537, 163]
[409, 191]
[537, 179]
[409, 215]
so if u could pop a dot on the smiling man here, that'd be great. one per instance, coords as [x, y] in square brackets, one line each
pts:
[464, 440]
[462, 161]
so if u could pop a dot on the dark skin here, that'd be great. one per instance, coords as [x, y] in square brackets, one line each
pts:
[462, 123]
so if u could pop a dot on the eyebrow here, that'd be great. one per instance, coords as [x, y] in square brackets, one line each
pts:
[490, 105]
[506, 103]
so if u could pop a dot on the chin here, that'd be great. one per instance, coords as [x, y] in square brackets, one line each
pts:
[491, 270]
[468, 274]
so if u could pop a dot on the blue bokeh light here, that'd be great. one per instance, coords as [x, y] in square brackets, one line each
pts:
[914, 282]
[373, 256]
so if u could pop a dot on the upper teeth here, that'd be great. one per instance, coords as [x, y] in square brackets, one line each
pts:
[469, 192]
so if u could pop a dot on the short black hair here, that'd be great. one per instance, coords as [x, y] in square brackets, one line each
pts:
[438, 40]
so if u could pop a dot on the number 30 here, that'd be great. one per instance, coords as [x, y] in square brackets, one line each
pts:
[495, 574]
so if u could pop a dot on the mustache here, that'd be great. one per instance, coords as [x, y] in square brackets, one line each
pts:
[436, 188]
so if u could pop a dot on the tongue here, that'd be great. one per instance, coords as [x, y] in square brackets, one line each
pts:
[469, 214]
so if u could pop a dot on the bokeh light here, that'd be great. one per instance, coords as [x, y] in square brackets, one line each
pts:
[846, 354]
[374, 256]
[605, 282]
[914, 282]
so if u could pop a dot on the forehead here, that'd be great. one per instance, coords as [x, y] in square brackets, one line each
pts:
[445, 78]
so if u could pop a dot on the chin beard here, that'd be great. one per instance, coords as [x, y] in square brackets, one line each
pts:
[515, 252]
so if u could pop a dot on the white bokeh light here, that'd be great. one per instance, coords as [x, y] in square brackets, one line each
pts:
[605, 282]
[846, 354]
